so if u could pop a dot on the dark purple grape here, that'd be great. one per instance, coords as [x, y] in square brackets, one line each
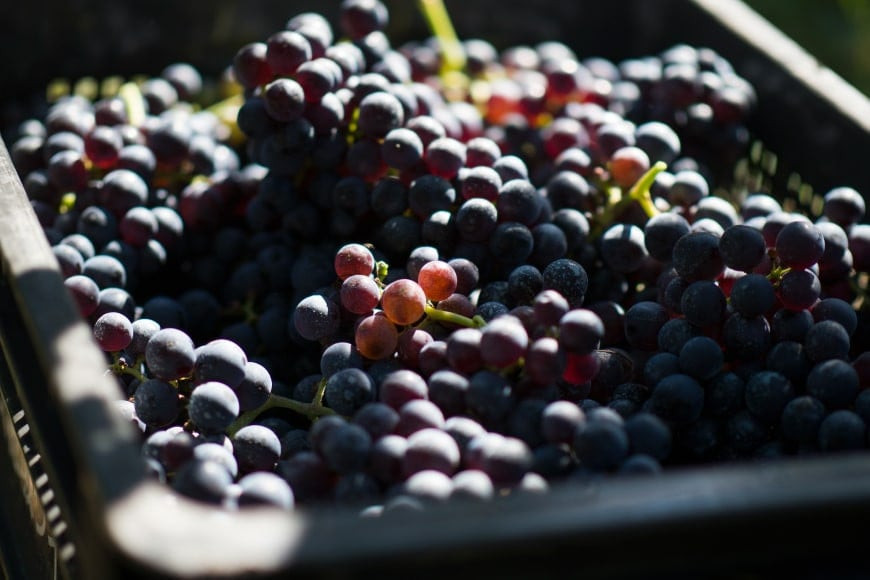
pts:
[212, 407]
[661, 233]
[156, 403]
[767, 394]
[264, 489]
[203, 480]
[256, 448]
[834, 382]
[799, 245]
[802, 418]
[348, 390]
[696, 256]
[677, 398]
[430, 449]
[752, 295]
[842, 430]
[220, 360]
[379, 113]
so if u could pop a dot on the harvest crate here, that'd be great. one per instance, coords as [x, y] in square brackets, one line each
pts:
[75, 501]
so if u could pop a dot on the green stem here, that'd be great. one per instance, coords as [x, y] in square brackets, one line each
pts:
[453, 318]
[382, 269]
[639, 193]
[311, 410]
[134, 103]
[120, 367]
[439, 23]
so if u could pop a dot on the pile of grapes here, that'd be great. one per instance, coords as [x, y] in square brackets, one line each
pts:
[442, 271]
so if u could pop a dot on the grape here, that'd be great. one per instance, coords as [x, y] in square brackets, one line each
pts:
[256, 448]
[348, 390]
[580, 331]
[842, 430]
[220, 360]
[430, 193]
[789, 359]
[113, 332]
[544, 362]
[472, 484]
[378, 419]
[428, 486]
[838, 311]
[799, 245]
[418, 414]
[106, 271]
[476, 219]
[503, 342]
[677, 398]
[359, 294]
[353, 259]
[701, 358]
[742, 247]
[430, 449]
[826, 340]
[85, 293]
[844, 206]
[622, 248]
[518, 201]
[263, 488]
[767, 394]
[802, 418]
[437, 279]
[156, 402]
[627, 165]
[346, 448]
[568, 278]
[316, 317]
[833, 382]
[464, 352]
[643, 322]
[752, 295]
[661, 233]
[285, 51]
[799, 289]
[203, 480]
[386, 458]
[703, 303]
[338, 356]
[400, 387]
[213, 407]
[403, 301]
[696, 256]
[444, 157]
[601, 445]
[254, 389]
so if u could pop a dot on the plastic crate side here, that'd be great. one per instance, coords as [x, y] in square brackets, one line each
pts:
[29, 549]
[56, 373]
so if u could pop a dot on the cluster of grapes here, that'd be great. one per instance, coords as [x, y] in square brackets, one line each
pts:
[420, 280]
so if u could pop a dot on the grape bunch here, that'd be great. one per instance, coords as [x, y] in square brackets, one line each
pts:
[446, 271]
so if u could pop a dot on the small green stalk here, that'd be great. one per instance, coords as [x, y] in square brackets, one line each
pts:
[134, 103]
[453, 318]
[439, 23]
[312, 410]
[639, 193]
[120, 367]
